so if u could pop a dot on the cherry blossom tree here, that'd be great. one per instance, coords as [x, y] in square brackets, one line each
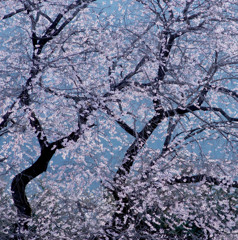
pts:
[130, 107]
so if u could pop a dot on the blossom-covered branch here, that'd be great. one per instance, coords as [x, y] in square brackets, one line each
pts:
[202, 178]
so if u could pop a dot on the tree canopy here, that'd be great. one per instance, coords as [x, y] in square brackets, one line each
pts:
[130, 107]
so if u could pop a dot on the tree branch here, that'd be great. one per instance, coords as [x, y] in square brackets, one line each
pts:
[149, 128]
[125, 82]
[61, 143]
[52, 30]
[122, 124]
[3, 159]
[14, 13]
[38, 130]
[170, 129]
[212, 70]
[227, 91]
[220, 110]
[5, 118]
[202, 178]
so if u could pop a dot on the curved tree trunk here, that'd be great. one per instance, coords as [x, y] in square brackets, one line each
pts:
[21, 180]
[18, 187]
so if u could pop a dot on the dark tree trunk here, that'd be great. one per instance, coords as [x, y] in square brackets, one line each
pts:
[21, 180]
[18, 187]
